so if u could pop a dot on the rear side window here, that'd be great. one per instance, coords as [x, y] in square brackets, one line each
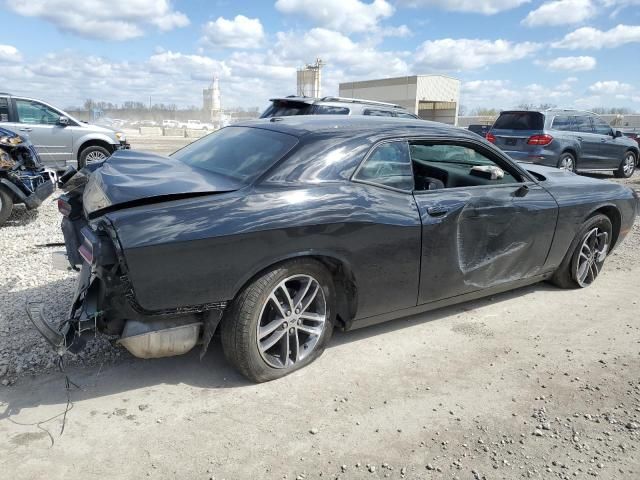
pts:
[378, 113]
[330, 110]
[284, 108]
[4, 109]
[519, 121]
[582, 123]
[389, 165]
[241, 153]
[561, 122]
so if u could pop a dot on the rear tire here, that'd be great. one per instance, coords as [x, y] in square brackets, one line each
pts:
[265, 340]
[6, 206]
[92, 154]
[586, 255]
[567, 162]
[627, 166]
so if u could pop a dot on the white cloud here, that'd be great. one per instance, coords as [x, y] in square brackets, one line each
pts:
[610, 87]
[9, 54]
[467, 54]
[589, 37]
[485, 7]
[560, 12]
[574, 64]
[400, 31]
[241, 32]
[103, 19]
[341, 15]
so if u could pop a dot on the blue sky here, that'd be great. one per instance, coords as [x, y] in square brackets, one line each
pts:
[582, 53]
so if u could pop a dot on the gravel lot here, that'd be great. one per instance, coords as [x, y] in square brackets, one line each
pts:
[536, 383]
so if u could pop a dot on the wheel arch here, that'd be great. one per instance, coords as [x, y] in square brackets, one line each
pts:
[94, 142]
[636, 152]
[612, 212]
[338, 267]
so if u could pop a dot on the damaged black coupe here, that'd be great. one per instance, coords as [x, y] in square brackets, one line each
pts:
[278, 231]
[23, 178]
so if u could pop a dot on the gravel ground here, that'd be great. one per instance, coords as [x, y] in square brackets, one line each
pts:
[524, 385]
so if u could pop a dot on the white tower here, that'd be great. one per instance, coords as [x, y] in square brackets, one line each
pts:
[215, 95]
[212, 104]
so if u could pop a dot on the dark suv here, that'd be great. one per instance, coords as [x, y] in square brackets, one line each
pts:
[569, 139]
[287, 106]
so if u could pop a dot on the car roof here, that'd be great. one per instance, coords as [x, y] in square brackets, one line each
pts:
[301, 125]
[552, 111]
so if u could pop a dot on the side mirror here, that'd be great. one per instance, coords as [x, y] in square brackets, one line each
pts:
[63, 121]
[617, 134]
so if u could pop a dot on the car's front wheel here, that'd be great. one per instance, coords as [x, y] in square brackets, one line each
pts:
[627, 167]
[587, 254]
[92, 154]
[280, 322]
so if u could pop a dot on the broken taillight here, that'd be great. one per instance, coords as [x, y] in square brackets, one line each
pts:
[491, 137]
[540, 139]
[64, 207]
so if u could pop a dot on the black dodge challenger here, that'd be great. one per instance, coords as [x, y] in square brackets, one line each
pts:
[277, 231]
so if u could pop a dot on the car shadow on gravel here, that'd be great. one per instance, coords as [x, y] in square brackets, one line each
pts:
[212, 372]
[20, 217]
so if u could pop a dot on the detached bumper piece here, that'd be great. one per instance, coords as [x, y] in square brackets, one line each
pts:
[56, 338]
[42, 192]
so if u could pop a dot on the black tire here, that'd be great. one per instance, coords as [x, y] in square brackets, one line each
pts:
[566, 274]
[6, 205]
[564, 159]
[627, 166]
[239, 329]
[87, 152]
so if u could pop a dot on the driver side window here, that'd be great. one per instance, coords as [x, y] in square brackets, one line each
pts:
[438, 166]
[36, 113]
[389, 165]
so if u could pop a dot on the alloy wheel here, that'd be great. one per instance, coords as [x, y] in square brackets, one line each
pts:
[629, 165]
[95, 156]
[593, 251]
[566, 163]
[291, 322]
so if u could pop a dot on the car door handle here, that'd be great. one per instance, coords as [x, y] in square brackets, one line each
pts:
[603, 140]
[579, 139]
[25, 129]
[437, 211]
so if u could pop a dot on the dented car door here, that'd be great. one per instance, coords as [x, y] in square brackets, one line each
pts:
[476, 237]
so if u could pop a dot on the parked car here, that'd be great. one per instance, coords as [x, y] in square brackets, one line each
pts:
[574, 140]
[196, 125]
[570, 139]
[287, 106]
[283, 230]
[60, 139]
[170, 124]
[481, 130]
[633, 135]
[23, 178]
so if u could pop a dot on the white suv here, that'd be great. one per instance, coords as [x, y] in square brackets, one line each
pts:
[60, 139]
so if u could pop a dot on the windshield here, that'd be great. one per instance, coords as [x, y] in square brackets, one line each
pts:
[519, 121]
[242, 153]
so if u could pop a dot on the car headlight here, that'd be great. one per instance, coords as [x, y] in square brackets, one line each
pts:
[121, 136]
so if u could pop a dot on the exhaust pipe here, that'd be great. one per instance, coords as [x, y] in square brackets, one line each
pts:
[159, 338]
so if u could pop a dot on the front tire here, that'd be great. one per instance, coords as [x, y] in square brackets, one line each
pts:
[92, 154]
[585, 258]
[281, 322]
[6, 206]
[567, 162]
[627, 167]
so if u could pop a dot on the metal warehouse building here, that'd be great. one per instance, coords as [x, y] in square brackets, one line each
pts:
[431, 97]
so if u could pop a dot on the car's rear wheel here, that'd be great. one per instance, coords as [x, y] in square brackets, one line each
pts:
[280, 322]
[567, 162]
[586, 256]
[93, 154]
[628, 166]
[6, 206]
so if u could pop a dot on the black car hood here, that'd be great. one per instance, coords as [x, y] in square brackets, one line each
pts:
[130, 178]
